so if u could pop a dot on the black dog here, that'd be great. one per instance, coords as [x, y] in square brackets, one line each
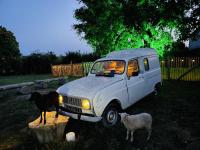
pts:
[44, 101]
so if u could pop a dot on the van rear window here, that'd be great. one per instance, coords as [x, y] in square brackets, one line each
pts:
[146, 64]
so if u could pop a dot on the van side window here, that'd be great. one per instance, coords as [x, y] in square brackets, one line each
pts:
[133, 68]
[146, 64]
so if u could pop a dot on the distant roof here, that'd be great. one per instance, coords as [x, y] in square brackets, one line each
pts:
[129, 53]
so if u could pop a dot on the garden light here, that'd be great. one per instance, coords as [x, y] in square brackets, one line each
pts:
[85, 104]
[193, 60]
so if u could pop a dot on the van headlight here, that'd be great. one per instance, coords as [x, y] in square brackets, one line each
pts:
[60, 98]
[85, 103]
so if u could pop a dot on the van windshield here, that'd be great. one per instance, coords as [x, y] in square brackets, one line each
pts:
[108, 66]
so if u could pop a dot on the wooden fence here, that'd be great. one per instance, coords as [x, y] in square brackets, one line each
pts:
[182, 68]
[71, 69]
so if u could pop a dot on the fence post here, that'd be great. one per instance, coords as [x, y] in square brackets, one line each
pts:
[71, 68]
[83, 69]
[168, 68]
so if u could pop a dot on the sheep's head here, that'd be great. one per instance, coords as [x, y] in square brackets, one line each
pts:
[123, 115]
[34, 96]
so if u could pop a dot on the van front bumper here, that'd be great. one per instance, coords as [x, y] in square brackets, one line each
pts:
[84, 117]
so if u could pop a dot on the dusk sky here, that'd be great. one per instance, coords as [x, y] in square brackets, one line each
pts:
[44, 25]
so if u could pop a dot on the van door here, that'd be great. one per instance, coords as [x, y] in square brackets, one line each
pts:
[135, 82]
[146, 75]
[151, 72]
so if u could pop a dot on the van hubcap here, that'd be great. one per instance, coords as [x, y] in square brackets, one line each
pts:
[112, 117]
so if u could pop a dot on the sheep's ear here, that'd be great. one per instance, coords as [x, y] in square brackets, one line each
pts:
[126, 118]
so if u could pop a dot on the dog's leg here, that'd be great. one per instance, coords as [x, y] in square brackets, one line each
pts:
[127, 134]
[56, 111]
[44, 117]
[132, 131]
[40, 116]
[149, 134]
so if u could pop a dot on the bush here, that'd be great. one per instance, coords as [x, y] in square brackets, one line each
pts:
[37, 63]
[77, 57]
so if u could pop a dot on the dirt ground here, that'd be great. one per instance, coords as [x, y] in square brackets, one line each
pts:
[176, 123]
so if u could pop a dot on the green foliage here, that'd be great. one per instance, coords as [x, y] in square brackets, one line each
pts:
[118, 24]
[9, 52]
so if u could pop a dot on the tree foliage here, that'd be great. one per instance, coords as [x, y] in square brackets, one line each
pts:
[77, 57]
[118, 24]
[9, 52]
[38, 63]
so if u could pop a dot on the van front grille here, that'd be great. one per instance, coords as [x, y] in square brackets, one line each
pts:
[72, 101]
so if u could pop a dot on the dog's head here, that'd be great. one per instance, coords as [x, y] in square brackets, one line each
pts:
[123, 115]
[52, 95]
[35, 96]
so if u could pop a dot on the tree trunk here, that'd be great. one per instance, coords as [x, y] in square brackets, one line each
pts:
[53, 130]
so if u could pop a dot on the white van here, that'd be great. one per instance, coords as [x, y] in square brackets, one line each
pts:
[114, 83]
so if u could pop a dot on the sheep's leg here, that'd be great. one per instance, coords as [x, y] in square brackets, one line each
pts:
[127, 134]
[149, 134]
[132, 135]
[40, 116]
[44, 116]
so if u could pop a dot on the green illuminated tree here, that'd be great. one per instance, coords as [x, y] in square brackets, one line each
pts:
[118, 24]
[9, 52]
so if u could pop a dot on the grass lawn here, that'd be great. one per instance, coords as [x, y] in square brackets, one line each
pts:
[4, 80]
[176, 123]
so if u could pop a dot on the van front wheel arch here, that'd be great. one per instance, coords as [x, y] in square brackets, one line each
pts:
[110, 116]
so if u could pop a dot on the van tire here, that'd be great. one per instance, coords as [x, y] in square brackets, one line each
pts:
[157, 88]
[110, 116]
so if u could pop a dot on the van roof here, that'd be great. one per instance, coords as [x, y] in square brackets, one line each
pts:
[130, 53]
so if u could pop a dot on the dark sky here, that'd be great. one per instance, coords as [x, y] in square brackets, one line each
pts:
[44, 25]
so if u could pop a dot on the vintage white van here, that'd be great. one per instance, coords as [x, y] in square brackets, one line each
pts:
[114, 83]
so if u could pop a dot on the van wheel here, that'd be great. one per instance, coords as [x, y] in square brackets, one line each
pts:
[110, 115]
[157, 89]
[155, 92]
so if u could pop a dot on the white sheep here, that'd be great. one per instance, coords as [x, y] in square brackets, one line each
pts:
[134, 122]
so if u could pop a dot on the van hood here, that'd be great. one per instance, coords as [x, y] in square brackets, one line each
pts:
[87, 87]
